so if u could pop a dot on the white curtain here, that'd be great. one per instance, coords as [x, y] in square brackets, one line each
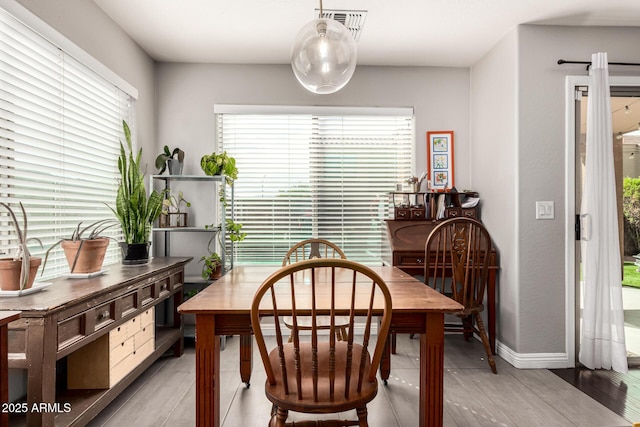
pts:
[603, 343]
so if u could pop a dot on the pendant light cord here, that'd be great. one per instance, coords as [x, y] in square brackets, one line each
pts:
[321, 13]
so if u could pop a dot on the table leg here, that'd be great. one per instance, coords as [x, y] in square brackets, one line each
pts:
[491, 310]
[207, 372]
[246, 358]
[41, 373]
[432, 371]
[178, 347]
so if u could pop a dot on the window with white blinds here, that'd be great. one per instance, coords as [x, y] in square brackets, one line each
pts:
[60, 130]
[315, 175]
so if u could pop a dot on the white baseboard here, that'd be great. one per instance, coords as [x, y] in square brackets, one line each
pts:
[533, 360]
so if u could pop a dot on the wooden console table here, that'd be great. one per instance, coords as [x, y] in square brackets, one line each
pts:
[72, 313]
[403, 247]
[6, 317]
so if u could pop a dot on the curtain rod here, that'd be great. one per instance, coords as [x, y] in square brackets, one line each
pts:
[588, 63]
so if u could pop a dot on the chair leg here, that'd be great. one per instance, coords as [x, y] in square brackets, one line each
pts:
[278, 417]
[467, 325]
[485, 341]
[362, 417]
[393, 343]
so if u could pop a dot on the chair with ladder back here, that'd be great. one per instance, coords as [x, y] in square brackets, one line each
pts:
[318, 374]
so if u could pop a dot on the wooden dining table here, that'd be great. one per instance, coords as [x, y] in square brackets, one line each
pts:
[224, 308]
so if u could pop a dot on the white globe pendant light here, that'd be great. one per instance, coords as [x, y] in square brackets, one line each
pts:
[323, 56]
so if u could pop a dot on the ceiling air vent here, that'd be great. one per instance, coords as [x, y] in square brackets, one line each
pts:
[352, 19]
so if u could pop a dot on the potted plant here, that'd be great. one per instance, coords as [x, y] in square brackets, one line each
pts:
[168, 157]
[86, 248]
[220, 164]
[135, 211]
[212, 267]
[19, 271]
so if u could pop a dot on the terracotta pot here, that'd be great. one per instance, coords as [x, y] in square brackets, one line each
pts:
[10, 273]
[91, 254]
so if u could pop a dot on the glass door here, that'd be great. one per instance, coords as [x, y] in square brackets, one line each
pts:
[625, 110]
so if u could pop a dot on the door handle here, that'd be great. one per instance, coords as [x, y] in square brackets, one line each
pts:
[585, 227]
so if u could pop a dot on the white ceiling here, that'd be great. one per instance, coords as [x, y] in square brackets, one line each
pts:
[396, 32]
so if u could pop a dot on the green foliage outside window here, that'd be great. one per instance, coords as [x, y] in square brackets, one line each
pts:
[631, 206]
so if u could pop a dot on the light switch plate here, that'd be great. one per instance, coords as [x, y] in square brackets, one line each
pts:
[545, 210]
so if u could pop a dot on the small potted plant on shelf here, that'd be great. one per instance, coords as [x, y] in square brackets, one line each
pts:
[19, 271]
[86, 248]
[220, 164]
[174, 159]
[135, 211]
[171, 214]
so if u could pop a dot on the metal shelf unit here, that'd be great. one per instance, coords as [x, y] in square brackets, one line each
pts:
[225, 212]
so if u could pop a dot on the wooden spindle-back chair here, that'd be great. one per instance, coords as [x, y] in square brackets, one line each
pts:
[457, 265]
[316, 373]
[312, 249]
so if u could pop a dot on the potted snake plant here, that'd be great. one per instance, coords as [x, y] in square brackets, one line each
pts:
[135, 211]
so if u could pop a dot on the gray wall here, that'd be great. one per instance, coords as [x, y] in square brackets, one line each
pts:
[494, 160]
[524, 88]
[188, 92]
[541, 141]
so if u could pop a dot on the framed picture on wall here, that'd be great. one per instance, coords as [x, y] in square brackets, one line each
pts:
[440, 159]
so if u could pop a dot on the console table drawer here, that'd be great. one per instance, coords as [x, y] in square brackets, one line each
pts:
[409, 259]
[81, 325]
[103, 315]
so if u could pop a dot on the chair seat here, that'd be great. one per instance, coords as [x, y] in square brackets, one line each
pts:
[276, 393]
